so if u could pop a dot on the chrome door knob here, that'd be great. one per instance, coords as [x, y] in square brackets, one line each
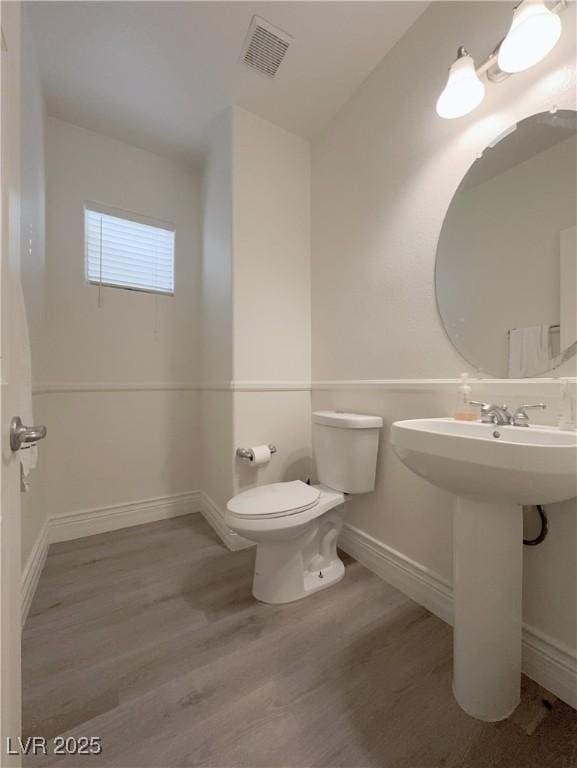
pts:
[21, 435]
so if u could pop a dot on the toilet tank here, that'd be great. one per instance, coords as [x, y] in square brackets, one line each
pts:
[345, 447]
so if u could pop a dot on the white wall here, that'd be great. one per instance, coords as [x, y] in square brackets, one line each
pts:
[216, 316]
[161, 333]
[272, 314]
[113, 447]
[281, 417]
[33, 252]
[132, 431]
[119, 383]
[256, 303]
[272, 309]
[216, 270]
[384, 173]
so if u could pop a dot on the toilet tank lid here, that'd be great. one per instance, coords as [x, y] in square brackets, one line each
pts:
[347, 420]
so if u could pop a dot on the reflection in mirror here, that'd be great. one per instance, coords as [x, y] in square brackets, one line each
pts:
[506, 279]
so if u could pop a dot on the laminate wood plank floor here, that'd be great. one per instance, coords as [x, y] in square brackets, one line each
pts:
[149, 638]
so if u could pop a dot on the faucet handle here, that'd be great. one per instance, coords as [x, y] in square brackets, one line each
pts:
[533, 405]
[521, 418]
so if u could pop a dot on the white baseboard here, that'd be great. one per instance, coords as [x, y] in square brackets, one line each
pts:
[32, 570]
[76, 525]
[87, 522]
[545, 660]
[550, 664]
[214, 516]
[409, 577]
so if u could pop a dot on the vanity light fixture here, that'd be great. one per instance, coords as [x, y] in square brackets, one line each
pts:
[464, 90]
[534, 32]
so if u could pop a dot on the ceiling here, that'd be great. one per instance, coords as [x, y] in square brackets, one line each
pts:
[155, 74]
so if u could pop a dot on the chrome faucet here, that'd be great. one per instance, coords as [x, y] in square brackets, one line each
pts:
[494, 414]
[500, 414]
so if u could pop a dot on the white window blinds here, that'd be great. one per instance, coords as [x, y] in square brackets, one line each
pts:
[128, 251]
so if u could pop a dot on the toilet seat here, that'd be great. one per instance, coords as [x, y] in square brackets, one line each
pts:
[274, 500]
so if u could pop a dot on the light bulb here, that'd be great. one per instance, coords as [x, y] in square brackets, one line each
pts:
[463, 92]
[534, 32]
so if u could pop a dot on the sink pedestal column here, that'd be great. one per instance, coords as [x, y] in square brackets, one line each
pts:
[487, 577]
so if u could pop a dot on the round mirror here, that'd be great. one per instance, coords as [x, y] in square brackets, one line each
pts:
[505, 274]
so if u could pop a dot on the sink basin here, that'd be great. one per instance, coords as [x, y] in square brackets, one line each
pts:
[521, 465]
[493, 471]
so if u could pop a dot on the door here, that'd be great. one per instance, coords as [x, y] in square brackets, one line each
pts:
[10, 675]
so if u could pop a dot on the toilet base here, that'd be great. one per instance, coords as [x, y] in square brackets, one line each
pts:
[308, 582]
[325, 577]
[286, 571]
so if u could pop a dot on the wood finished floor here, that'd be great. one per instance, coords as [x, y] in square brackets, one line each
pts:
[149, 638]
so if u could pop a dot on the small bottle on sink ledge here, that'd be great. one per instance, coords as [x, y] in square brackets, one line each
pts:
[465, 411]
[566, 419]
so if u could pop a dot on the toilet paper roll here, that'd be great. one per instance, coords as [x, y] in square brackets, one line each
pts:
[260, 455]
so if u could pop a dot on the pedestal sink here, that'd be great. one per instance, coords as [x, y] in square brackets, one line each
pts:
[493, 470]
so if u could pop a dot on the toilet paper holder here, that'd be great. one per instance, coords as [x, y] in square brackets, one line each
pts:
[247, 453]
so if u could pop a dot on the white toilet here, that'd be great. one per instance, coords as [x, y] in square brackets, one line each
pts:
[294, 525]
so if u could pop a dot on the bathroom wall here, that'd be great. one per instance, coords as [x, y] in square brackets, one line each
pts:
[117, 384]
[216, 315]
[271, 201]
[159, 390]
[256, 280]
[33, 254]
[272, 315]
[384, 172]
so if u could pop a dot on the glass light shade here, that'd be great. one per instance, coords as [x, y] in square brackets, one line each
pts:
[534, 32]
[463, 92]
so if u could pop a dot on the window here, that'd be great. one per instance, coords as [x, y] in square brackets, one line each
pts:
[128, 251]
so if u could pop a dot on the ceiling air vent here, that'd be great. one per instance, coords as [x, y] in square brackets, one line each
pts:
[265, 46]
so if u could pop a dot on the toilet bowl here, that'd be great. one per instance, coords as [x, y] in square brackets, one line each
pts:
[295, 525]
